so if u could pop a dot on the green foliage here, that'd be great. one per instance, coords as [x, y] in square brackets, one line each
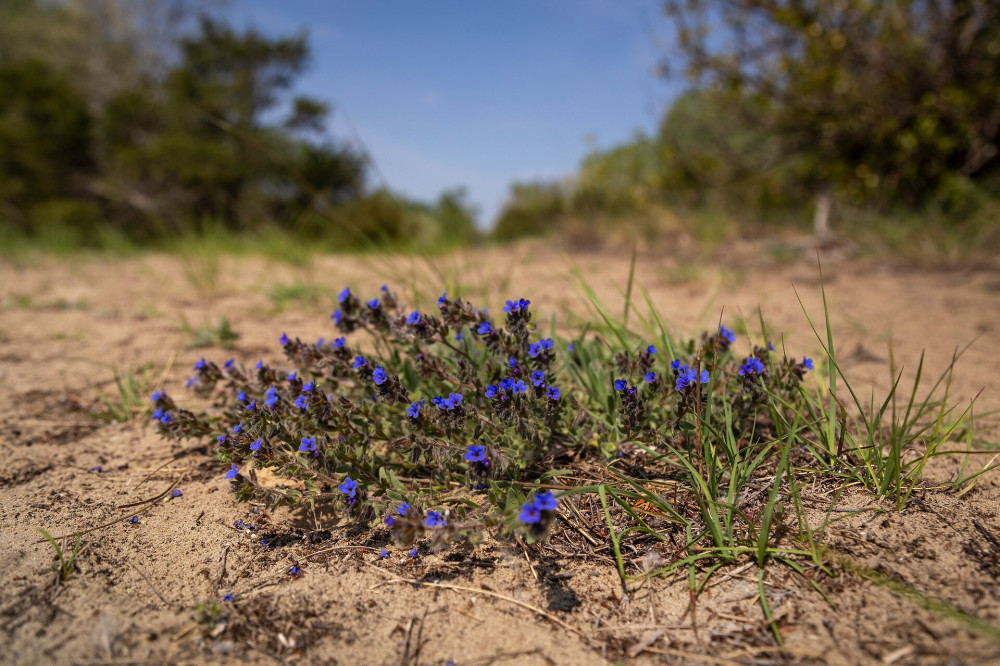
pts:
[63, 566]
[136, 123]
[206, 335]
[887, 100]
[533, 209]
[44, 147]
[132, 388]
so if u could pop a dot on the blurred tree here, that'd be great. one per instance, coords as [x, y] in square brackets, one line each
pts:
[44, 138]
[894, 100]
[531, 209]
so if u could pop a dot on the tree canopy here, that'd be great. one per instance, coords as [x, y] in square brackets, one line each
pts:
[143, 117]
[892, 101]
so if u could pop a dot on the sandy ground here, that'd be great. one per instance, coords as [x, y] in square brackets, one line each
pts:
[67, 325]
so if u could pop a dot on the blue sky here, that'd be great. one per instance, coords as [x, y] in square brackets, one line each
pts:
[479, 93]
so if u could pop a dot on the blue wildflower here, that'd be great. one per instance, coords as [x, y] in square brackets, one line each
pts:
[689, 377]
[434, 519]
[344, 295]
[413, 318]
[283, 339]
[507, 384]
[530, 513]
[295, 570]
[339, 343]
[359, 361]
[807, 363]
[485, 328]
[443, 299]
[373, 304]
[337, 317]
[227, 598]
[676, 364]
[383, 553]
[651, 349]
[309, 386]
[348, 487]
[156, 396]
[158, 413]
[546, 501]
[200, 365]
[302, 402]
[413, 411]
[230, 363]
[379, 376]
[458, 336]
[534, 349]
[546, 343]
[516, 306]
[520, 387]
[233, 471]
[390, 521]
[308, 444]
[291, 377]
[271, 396]
[166, 419]
[538, 377]
[134, 520]
[491, 391]
[752, 365]
[554, 393]
[259, 365]
[727, 335]
[256, 445]
[650, 377]
[414, 552]
[475, 453]
[620, 384]
[570, 347]
[177, 492]
[241, 396]
[238, 427]
[403, 508]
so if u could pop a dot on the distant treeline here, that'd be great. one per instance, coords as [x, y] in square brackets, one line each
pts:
[138, 121]
[885, 109]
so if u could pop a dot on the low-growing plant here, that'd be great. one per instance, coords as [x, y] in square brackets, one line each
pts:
[207, 335]
[452, 424]
[132, 387]
[65, 562]
[442, 424]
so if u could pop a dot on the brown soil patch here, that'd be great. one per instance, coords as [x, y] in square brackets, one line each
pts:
[140, 590]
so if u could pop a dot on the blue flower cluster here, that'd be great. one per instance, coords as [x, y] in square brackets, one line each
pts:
[536, 348]
[450, 403]
[510, 385]
[753, 365]
[516, 306]
[689, 377]
[532, 511]
[434, 519]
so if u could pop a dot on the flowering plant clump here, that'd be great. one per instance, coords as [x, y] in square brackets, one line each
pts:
[458, 396]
